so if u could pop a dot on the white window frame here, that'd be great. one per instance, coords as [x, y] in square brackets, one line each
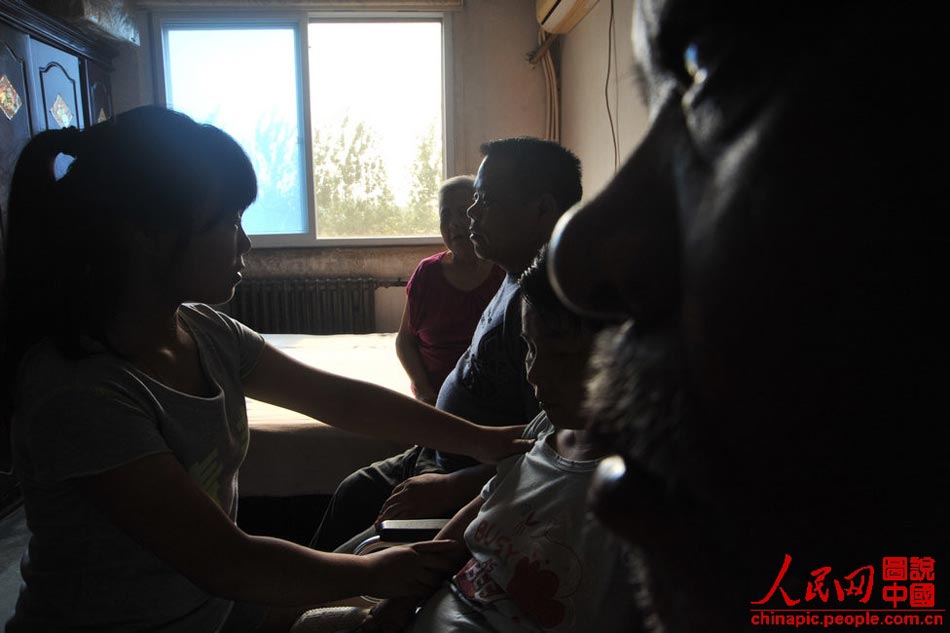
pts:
[301, 20]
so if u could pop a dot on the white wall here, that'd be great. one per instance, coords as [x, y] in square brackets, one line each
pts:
[497, 93]
[584, 123]
[389, 306]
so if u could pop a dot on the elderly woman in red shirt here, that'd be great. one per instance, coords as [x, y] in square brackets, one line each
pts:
[445, 297]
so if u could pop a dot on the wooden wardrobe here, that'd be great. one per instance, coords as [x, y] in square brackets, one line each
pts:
[52, 75]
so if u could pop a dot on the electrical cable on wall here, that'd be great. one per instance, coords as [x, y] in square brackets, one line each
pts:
[611, 51]
[556, 18]
[617, 85]
[552, 106]
[552, 110]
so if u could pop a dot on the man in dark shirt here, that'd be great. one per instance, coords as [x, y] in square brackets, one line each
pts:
[522, 188]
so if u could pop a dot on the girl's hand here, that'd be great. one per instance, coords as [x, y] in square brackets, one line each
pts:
[412, 570]
[499, 442]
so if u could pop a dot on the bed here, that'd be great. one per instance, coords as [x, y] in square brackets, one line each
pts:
[291, 454]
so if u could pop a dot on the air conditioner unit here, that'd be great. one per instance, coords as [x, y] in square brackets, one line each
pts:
[560, 16]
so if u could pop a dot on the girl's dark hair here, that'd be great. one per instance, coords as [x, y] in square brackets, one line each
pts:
[147, 170]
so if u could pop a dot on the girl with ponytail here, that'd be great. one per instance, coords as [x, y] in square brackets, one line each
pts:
[124, 401]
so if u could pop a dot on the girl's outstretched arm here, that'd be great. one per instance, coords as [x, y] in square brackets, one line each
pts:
[366, 408]
[157, 503]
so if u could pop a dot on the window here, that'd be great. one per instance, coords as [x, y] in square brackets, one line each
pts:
[348, 141]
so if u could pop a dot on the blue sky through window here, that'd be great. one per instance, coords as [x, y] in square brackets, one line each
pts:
[383, 75]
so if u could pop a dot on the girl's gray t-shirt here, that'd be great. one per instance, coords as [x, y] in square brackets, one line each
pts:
[88, 416]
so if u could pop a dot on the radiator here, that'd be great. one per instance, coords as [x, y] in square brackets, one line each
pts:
[306, 306]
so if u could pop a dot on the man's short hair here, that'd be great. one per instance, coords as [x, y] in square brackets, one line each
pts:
[543, 167]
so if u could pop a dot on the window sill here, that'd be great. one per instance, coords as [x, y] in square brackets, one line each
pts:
[259, 242]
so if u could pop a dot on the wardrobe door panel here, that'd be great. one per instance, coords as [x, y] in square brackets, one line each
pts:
[59, 96]
[99, 97]
[16, 127]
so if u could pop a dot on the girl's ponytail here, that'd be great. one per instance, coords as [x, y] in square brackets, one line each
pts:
[34, 169]
[39, 225]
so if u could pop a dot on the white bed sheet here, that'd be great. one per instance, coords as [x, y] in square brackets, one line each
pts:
[291, 454]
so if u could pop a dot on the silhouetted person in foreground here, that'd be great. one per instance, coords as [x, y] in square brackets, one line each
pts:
[778, 245]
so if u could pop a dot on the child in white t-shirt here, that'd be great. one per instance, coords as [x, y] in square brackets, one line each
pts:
[535, 558]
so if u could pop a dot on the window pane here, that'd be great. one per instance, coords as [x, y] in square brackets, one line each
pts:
[376, 114]
[244, 80]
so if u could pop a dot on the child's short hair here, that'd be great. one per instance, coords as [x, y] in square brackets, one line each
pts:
[537, 291]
